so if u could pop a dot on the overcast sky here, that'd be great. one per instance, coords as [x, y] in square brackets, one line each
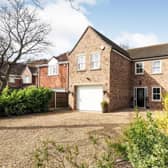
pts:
[132, 22]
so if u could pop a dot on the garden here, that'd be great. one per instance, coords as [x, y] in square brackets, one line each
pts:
[142, 144]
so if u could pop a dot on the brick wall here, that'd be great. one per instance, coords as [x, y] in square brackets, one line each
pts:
[150, 80]
[89, 43]
[17, 84]
[56, 81]
[120, 82]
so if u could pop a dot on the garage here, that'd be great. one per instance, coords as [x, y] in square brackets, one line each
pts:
[89, 98]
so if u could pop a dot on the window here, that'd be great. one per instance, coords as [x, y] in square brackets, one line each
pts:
[95, 61]
[11, 80]
[156, 94]
[53, 70]
[81, 63]
[139, 68]
[26, 80]
[156, 67]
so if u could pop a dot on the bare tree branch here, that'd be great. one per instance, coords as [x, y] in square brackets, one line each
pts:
[21, 34]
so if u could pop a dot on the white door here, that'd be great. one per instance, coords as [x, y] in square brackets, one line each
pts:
[89, 98]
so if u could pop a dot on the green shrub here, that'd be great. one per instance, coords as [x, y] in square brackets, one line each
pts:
[162, 117]
[22, 101]
[104, 105]
[147, 146]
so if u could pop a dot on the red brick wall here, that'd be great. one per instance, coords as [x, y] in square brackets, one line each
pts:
[17, 84]
[90, 43]
[56, 81]
[150, 80]
[120, 82]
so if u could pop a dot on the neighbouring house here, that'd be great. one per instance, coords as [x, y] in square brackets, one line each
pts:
[54, 75]
[150, 75]
[100, 70]
[22, 75]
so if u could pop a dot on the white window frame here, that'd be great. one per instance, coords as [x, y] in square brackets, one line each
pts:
[25, 81]
[159, 100]
[136, 68]
[160, 71]
[53, 69]
[79, 62]
[11, 79]
[98, 61]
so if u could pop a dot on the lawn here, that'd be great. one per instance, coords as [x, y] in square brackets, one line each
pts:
[21, 135]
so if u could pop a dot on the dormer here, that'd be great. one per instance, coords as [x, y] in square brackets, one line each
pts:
[53, 67]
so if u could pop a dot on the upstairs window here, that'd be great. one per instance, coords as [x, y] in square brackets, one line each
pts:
[81, 63]
[27, 80]
[53, 67]
[53, 70]
[139, 68]
[95, 61]
[156, 94]
[156, 67]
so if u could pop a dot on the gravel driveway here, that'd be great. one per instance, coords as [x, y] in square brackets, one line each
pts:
[19, 136]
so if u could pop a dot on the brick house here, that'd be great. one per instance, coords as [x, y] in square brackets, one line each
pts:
[150, 75]
[101, 70]
[22, 75]
[54, 75]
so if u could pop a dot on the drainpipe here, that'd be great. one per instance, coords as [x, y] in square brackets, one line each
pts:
[38, 76]
[55, 99]
[67, 74]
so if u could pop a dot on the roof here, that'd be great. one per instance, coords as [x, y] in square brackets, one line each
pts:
[106, 40]
[38, 62]
[16, 69]
[62, 57]
[111, 43]
[33, 69]
[153, 51]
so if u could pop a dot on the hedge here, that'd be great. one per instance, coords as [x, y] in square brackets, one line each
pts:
[23, 101]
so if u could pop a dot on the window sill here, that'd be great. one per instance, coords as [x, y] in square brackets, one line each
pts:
[95, 69]
[160, 73]
[156, 101]
[81, 70]
[53, 75]
[138, 74]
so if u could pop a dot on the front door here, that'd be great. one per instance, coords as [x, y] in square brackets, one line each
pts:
[140, 97]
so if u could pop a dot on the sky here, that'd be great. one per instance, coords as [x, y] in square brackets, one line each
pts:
[134, 23]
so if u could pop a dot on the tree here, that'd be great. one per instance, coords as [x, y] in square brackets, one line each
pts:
[21, 34]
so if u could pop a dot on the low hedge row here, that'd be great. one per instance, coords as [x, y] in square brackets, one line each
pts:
[22, 101]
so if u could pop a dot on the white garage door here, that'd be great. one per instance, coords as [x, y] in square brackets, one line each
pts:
[89, 98]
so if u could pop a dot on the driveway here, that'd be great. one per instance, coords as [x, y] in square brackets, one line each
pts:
[19, 136]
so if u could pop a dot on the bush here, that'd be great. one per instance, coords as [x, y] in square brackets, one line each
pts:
[22, 101]
[104, 105]
[162, 117]
[147, 146]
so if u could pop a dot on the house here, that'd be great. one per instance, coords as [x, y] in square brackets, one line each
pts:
[100, 70]
[22, 75]
[150, 75]
[54, 75]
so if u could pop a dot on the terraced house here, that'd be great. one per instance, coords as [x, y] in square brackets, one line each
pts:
[101, 70]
